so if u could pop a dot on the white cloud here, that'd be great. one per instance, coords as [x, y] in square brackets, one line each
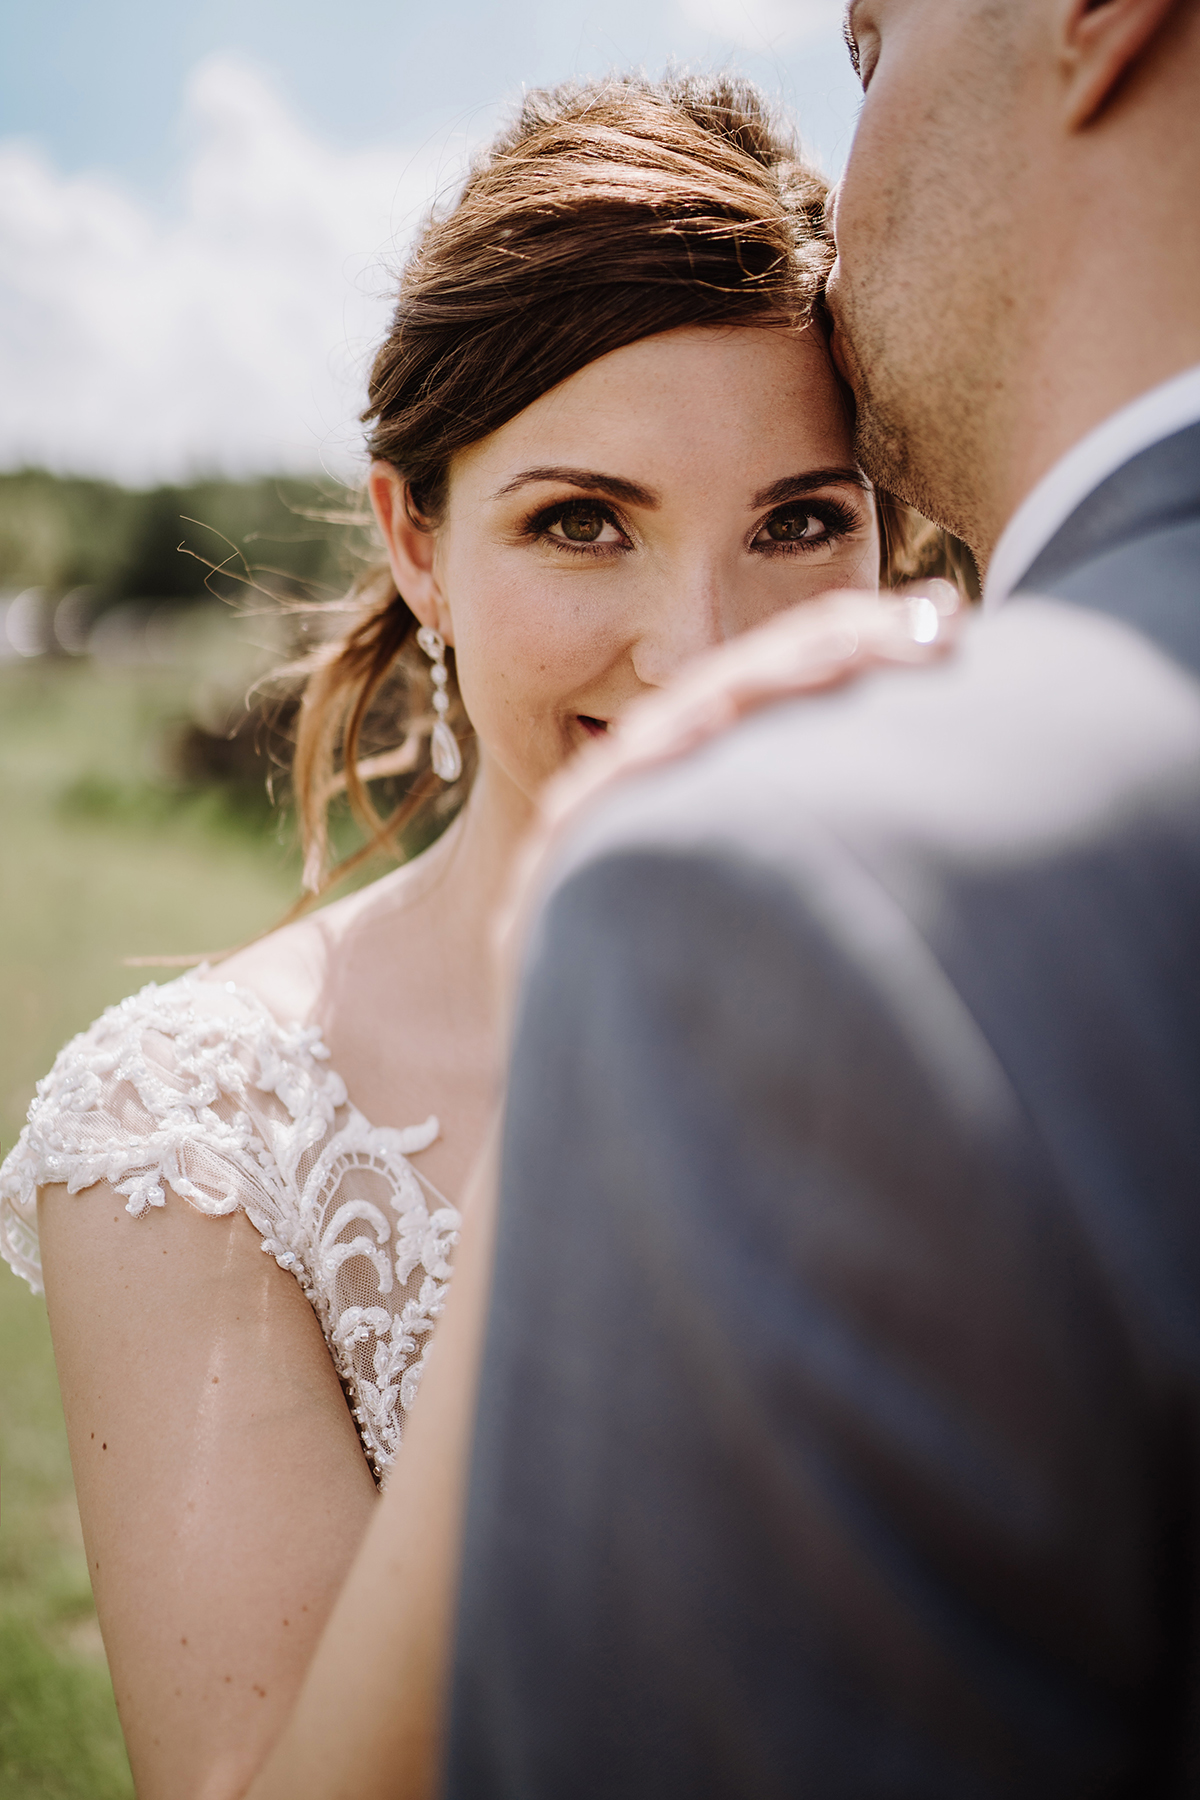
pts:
[232, 336]
[763, 24]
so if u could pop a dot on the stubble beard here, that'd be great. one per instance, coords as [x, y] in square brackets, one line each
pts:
[909, 415]
[913, 431]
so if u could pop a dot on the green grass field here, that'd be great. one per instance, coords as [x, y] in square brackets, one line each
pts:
[99, 859]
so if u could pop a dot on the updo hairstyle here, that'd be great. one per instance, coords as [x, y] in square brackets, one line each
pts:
[609, 212]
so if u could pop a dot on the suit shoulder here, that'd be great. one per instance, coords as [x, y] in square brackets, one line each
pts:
[1048, 721]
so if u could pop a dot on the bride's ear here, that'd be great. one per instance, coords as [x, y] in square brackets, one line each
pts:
[410, 548]
[1099, 42]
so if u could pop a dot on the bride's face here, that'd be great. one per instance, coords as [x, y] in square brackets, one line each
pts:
[668, 496]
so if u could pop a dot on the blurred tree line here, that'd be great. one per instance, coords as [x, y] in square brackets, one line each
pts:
[60, 533]
[184, 583]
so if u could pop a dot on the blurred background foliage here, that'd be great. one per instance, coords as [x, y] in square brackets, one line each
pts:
[62, 532]
[134, 822]
[214, 582]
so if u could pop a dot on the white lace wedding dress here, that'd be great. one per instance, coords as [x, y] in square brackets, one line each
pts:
[194, 1090]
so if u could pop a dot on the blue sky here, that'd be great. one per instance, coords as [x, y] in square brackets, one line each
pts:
[198, 202]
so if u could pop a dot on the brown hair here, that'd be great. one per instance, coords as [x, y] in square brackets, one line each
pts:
[608, 212]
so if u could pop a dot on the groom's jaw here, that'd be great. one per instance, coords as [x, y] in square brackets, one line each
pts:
[926, 292]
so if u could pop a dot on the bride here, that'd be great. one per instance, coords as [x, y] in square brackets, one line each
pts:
[606, 435]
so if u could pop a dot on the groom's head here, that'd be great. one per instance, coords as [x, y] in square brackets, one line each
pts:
[1018, 232]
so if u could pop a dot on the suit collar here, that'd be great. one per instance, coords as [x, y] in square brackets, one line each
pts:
[1114, 443]
[1155, 491]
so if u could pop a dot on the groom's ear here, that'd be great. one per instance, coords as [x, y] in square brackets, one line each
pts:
[1099, 42]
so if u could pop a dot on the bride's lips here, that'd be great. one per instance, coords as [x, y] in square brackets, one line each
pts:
[593, 727]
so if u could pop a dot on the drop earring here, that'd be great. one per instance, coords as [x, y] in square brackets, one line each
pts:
[443, 746]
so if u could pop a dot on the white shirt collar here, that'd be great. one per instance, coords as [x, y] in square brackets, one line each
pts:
[1145, 421]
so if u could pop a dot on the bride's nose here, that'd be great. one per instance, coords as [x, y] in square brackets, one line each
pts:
[687, 618]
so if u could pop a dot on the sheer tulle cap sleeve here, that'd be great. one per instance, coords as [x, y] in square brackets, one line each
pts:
[195, 1089]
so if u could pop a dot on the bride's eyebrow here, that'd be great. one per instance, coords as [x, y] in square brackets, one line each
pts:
[614, 486]
[795, 487]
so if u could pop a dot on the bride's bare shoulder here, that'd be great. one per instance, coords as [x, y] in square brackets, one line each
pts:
[285, 969]
[291, 968]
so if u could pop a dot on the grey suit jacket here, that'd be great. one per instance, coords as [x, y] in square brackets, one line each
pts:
[840, 1423]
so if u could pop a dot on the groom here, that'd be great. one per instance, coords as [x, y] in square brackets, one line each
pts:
[839, 1431]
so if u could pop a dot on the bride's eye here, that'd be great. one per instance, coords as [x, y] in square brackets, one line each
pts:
[579, 524]
[804, 525]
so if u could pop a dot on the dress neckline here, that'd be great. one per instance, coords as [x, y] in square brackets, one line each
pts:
[204, 972]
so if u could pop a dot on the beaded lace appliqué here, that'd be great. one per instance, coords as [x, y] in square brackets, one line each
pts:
[196, 1087]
